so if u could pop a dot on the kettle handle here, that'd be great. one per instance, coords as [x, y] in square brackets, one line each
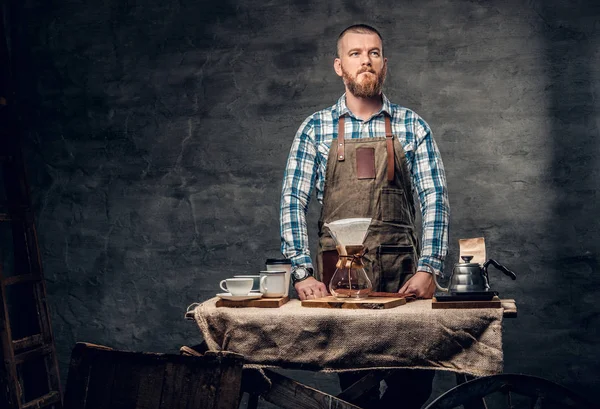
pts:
[439, 287]
[499, 267]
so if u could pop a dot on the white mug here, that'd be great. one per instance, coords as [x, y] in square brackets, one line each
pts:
[237, 286]
[273, 283]
[279, 264]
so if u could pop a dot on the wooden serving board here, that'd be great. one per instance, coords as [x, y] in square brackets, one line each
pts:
[369, 303]
[493, 303]
[259, 303]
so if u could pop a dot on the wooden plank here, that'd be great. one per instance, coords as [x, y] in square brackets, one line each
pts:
[101, 378]
[289, 394]
[99, 389]
[78, 378]
[11, 393]
[43, 401]
[28, 342]
[22, 278]
[228, 384]
[176, 386]
[259, 303]
[493, 303]
[376, 303]
[363, 385]
[33, 354]
[46, 332]
[510, 308]
[150, 386]
[126, 382]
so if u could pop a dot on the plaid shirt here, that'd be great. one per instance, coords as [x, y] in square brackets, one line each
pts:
[307, 163]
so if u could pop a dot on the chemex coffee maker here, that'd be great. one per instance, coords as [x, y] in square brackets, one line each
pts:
[470, 280]
[350, 279]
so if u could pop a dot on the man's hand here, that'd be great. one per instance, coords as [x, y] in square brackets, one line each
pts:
[421, 284]
[310, 289]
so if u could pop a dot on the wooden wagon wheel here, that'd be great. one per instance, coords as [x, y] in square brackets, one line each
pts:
[542, 393]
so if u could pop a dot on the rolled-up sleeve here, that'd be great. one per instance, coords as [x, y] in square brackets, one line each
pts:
[429, 179]
[298, 182]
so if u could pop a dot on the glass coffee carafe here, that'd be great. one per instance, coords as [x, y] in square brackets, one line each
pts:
[350, 279]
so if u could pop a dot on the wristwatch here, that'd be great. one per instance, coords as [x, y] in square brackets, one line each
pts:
[301, 273]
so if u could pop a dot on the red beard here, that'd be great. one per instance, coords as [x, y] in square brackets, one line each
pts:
[369, 87]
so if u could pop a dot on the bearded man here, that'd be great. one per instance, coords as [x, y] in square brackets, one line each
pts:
[366, 157]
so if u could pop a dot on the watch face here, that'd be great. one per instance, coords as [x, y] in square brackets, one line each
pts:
[300, 273]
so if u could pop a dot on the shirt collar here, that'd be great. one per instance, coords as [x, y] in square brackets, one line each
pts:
[342, 108]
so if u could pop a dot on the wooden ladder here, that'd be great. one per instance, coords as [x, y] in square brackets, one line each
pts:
[29, 375]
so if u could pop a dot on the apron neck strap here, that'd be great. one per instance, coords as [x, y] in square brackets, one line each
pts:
[341, 155]
[390, 148]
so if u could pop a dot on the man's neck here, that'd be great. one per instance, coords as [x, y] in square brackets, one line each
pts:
[363, 108]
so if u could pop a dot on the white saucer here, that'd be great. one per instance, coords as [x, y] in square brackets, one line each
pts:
[250, 296]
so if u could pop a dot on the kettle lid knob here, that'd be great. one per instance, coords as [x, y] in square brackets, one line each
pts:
[467, 259]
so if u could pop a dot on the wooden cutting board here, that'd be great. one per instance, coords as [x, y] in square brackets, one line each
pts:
[259, 303]
[493, 303]
[369, 303]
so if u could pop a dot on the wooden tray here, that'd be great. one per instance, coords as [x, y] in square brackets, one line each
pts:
[260, 303]
[493, 303]
[369, 303]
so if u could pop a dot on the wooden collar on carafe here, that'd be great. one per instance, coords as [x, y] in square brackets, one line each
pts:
[341, 154]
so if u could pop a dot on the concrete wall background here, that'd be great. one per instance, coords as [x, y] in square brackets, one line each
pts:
[157, 134]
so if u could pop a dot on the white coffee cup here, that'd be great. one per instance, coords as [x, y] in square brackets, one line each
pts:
[279, 264]
[254, 277]
[273, 283]
[237, 286]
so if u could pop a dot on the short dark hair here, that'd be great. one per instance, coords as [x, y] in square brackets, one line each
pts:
[359, 29]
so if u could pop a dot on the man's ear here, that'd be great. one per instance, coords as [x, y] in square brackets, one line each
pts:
[337, 66]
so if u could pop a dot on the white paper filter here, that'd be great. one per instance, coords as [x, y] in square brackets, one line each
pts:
[349, 232]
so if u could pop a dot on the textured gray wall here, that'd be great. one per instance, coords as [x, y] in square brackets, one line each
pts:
[158, 133]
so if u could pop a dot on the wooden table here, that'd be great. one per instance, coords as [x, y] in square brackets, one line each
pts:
[260, 380]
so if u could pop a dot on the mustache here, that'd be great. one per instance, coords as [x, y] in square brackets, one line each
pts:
[366, 69]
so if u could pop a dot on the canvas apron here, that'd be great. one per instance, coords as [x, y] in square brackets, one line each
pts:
[369, 177]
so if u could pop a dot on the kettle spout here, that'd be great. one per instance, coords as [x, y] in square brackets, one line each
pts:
[439, 287]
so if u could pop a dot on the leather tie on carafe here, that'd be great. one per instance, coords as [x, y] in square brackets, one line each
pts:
[350, 260]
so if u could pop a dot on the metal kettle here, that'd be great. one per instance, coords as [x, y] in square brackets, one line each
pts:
[471, 277]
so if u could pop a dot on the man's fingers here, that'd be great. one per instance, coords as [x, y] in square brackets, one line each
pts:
[312, 292]
[315, 291]
[404, 288]
[310, 289]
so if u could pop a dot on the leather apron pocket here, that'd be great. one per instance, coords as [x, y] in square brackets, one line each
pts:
[394, 208]
[365, 163]
[396, 265]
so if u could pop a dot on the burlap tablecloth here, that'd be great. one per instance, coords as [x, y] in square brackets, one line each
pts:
[331, 340]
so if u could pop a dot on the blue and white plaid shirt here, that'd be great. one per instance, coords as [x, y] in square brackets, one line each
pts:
[307, 164]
